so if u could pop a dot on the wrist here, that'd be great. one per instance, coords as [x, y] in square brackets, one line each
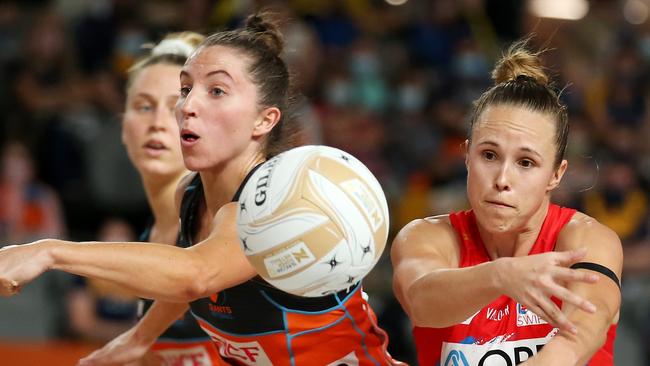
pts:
[557, 352]
[141, 337]
[47, 252]
[500, 274]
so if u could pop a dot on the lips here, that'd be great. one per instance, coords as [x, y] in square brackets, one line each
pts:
[499, 203]
[188, 137]
[155, 145]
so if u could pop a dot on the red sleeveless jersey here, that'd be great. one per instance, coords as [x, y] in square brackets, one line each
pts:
[504, 332]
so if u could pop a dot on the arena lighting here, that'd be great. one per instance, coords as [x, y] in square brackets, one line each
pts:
[635, 11]
[559, 9]
[396, 2]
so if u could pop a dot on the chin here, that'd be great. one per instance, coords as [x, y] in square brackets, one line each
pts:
[495, 224]
[193, 165]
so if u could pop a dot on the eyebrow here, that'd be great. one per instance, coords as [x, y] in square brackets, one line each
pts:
[211, 73]
[151, 98]
[224, 72]
[142, 95]
[524, 148]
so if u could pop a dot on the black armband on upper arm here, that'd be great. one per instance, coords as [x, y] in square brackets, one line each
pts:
[600, 269]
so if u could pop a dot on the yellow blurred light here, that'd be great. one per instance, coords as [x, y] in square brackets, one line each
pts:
[559, 9]
[396, 2]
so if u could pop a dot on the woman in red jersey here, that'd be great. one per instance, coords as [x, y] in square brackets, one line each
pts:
[232, 116]
[515, 273]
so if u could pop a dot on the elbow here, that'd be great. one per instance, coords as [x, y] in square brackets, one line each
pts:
[592, 343]
[195, 284]
[194, 281]
[422, 311]
[589, 341]
[193, 290]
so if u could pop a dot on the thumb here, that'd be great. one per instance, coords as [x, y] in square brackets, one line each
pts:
[87, 361]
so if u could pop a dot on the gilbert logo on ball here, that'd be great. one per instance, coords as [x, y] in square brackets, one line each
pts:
[313, 220]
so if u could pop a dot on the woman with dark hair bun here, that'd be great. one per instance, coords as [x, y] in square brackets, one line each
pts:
[232, 115]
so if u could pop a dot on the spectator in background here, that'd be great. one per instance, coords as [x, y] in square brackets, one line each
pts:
[47, 87]
[99, 310]
[30, 210]
[618, 201]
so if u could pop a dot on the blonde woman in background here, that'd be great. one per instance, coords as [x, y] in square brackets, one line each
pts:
[151, 137]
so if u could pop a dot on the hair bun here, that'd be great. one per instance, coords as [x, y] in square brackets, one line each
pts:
[177, 44]
[266, 30]
[173, 47]
[519, 64]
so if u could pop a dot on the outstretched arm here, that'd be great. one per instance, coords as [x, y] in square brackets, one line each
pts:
[436, 293]
[157, 271]
[604, 248]
[133, 344]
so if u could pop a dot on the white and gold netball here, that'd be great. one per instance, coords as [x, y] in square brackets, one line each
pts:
[313, 220]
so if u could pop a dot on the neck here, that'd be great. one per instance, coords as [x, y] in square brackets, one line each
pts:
[221, 183]
[518, 241]
[160, 193]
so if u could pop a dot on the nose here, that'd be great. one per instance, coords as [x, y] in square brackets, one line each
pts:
[161, 118]
[502, 181]
[185, 107]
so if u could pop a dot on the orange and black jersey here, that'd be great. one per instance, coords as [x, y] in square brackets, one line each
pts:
[184, 342]
[255, 323]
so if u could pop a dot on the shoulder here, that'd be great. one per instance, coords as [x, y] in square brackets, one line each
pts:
[427, 237]
[602, 243]
[426, 228]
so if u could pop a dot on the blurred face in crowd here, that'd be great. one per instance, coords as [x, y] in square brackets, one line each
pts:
[511, 166]
[217, 112]
[149, 131]
[17, 165]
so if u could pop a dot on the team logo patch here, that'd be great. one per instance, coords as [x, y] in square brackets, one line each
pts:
[525, 317]
[456, 358]
[218, 307]
[247, 353]
[491, 354]
[194, 356]
[289, 260]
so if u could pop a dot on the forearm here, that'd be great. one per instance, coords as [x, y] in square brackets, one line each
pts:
[556, 352]
[156, 271]
[449, 296]
[568, 349]
[103, 330]
[576, 349]
[157, 319]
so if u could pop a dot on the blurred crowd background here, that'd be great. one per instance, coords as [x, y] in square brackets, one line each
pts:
[390, 81]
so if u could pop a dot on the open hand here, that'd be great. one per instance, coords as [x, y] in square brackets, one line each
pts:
[123, 350]
[20, 264]
[532, 281]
